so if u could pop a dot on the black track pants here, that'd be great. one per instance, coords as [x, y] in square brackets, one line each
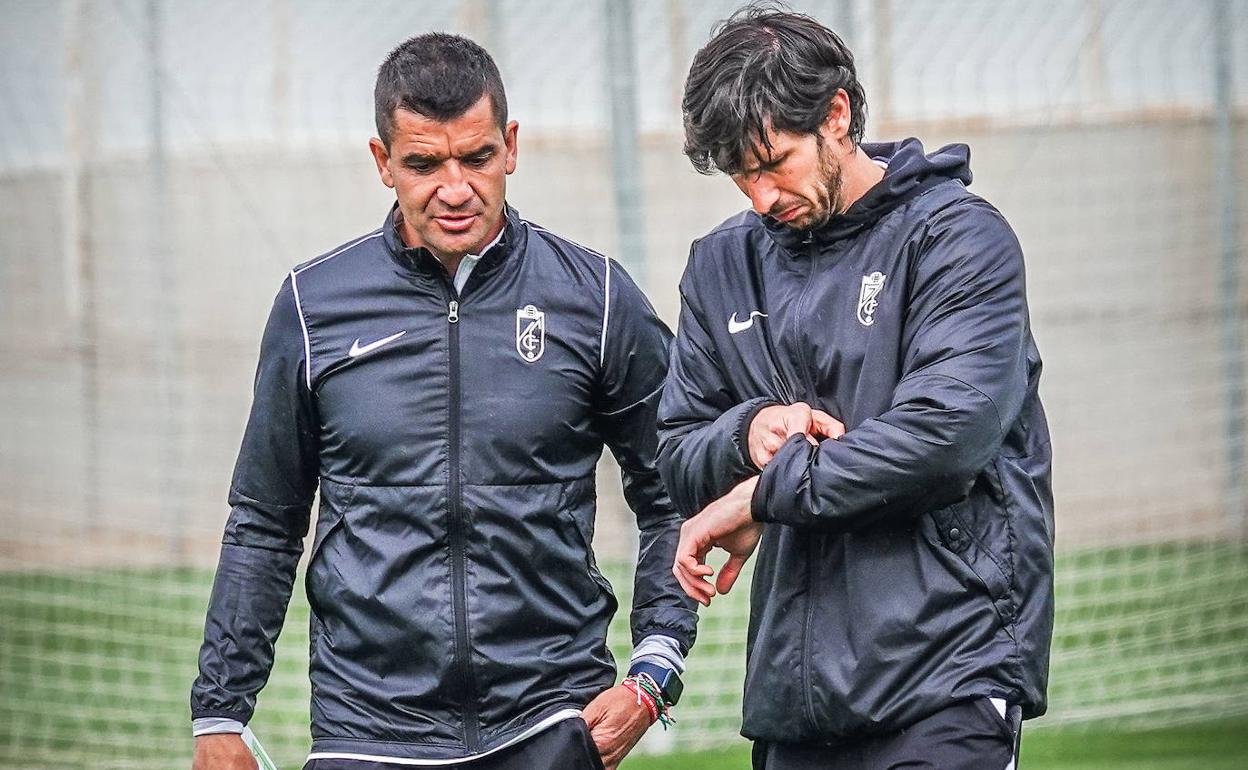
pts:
[970, 735]
[564, 746]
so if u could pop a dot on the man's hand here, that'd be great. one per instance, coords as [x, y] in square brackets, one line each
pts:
[727, 524]
[222, 751]
[616, 722]
[772, 426]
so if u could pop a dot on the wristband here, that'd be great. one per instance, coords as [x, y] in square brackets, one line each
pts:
[665, 679]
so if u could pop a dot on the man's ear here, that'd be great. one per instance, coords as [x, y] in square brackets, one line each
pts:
[509, 138]
[381, 156]
[836, 124]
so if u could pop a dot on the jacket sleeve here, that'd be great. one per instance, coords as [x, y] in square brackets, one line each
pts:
[964, 378]
[633, 365]
[270, 496]
[703, 430]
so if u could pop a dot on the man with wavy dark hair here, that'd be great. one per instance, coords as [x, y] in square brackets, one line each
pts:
[853, 393]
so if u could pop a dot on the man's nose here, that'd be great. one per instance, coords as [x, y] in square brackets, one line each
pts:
[762, 193]
[454, 190]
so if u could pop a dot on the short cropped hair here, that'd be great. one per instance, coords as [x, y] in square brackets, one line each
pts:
[764, 67]
[439, 76]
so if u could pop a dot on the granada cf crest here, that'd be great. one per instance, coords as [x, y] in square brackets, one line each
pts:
[530, 333]
[872, 285]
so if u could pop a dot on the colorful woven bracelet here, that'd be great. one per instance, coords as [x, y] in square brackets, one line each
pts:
[645, 684]
[643, 698]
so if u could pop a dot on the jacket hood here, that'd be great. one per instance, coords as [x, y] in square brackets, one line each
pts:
[910, 173]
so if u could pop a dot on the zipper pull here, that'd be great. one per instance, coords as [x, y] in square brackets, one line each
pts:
[452, 314]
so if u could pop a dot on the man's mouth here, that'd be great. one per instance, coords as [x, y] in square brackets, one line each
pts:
[455, 223]
[788, 215]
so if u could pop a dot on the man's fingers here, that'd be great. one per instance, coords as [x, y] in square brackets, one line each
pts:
[689, 571]
[694, 567]
[695, 592]
[797, 420]
[729, 573]
[767, 447]
[593, 714]
[825, 424]
[759, 456]
[692, 575]
[691, 549]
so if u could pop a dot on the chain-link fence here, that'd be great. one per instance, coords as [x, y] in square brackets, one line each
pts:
[163, 163]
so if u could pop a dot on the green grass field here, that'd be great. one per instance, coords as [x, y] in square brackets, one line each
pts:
[95, 668]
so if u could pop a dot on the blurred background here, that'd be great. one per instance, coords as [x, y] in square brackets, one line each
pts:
[164, 163]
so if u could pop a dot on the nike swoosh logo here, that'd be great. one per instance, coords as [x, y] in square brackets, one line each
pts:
[358, 350]
[736, 327]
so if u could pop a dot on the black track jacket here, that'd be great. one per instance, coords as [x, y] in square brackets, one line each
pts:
[908, 564]
[455, 598]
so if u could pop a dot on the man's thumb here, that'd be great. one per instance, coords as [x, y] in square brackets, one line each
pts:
[826, 425]
[729, 573]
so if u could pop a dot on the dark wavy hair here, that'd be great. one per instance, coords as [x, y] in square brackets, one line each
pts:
[439, 76]
[764, 67]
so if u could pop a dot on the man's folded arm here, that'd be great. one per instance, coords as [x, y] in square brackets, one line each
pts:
[966, 377]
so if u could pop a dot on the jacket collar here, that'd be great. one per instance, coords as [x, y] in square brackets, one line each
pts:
[910, 173]
[421, 262]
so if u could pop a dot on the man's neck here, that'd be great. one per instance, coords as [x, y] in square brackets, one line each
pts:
[859, 174]
[449, 262]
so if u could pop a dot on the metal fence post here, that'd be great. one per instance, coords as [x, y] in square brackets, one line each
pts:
[165, 302]
[621, 78]
[81, 102]
[1225, 179]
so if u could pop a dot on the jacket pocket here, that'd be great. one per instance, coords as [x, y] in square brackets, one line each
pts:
[977, 531]
[583, 527]
[335, 502]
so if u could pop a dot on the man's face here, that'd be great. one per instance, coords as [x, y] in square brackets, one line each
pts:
[798, 183]
[450, 177]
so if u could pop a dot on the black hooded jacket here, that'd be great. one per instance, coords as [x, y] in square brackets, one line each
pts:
[454, 438]
[908, 564]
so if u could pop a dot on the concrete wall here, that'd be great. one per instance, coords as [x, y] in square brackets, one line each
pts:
[120, 451]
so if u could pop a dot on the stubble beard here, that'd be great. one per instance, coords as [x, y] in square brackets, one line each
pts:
[831, 182]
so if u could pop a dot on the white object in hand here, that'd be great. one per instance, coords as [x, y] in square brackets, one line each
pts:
[262, 756]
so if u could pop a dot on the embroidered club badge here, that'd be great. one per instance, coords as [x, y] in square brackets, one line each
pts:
[872, 285]
[530, 333]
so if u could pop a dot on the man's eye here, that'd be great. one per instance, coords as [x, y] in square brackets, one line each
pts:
[421, 167]
[477, 161]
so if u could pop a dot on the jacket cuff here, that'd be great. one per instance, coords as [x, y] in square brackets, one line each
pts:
[777, 498]
[741, 436]
[677, 623]
[215, 726]
[661, 650]
[211, 713]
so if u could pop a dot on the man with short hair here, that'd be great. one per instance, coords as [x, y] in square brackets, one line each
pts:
[855, 382]
[448, 382]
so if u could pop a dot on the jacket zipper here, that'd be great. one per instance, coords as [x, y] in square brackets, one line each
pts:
[457, 526]
[810, 541]
[802, 363]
